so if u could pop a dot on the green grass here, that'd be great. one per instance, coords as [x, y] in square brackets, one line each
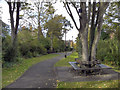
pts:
[113, 66]
[90, 84]
[64, 62]
[10, 74]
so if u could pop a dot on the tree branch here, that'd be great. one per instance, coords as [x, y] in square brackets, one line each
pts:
[11, 15]
[13, 6]
[71, 15]
[17, 17]
[98, 12]
[89, 11]
[66, 8]
[75, 9]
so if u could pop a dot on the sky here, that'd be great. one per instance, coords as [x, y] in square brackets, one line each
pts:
[60, 10]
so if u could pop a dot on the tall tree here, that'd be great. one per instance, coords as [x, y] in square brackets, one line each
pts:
[39, 7]
[84, 11]
[55, 26]
[14, 25]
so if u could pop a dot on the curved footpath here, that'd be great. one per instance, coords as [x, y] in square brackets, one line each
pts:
[40, 75]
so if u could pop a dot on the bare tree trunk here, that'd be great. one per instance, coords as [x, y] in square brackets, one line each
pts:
[38, 24]
[51, 43]
[102, 9]
[92, 29]
[84, 42]
[14, 28]
[84, 32]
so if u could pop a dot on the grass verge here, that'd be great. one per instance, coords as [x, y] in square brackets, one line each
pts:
[9, 75]
[90, 84]
[64, 62]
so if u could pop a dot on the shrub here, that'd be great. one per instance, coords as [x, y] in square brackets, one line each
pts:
[32, 48]
[107, 51]
[8, 53]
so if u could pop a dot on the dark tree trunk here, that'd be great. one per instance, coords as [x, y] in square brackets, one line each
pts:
[14, 28]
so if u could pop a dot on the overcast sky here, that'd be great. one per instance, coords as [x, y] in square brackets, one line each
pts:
[60, 10]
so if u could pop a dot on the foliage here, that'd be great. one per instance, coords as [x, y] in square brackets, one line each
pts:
[55, 32]
[108, 52]
[29, 46]
[108, 49]
[52, 24]
[6, 50]
[58, 45]
[104, 35]
[5, 29]
[10, 74]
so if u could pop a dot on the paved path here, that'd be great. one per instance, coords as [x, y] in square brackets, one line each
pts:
[41, 75]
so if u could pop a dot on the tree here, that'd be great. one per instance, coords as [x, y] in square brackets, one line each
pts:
[5, 29]
[39, 7]
[112, 20]
[14, 26]
[55, 26]
[84, 11]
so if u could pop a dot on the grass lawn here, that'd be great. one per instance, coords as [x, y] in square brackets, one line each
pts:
[11, 74]
[91, 84]
[64, 62]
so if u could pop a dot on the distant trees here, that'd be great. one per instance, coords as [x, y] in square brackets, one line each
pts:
[30, 41]
[55, 28]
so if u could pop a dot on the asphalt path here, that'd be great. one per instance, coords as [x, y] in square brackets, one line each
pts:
[40, 75]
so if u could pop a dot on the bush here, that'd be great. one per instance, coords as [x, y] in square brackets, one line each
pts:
[30, 46]
[8, 52]
[107, 51]
[32, 49]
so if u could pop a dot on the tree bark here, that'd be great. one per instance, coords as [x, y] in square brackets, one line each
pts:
[92, 29]
[84, 32]
[51, 42]
[84, 42]
[14, 28]
[102, 9]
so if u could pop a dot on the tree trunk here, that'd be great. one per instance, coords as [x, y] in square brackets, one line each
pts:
[84, 42]
[84, 32]
[102, 9]
[92, 30]
[39, 28]
[51, 43]
[14, 29]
